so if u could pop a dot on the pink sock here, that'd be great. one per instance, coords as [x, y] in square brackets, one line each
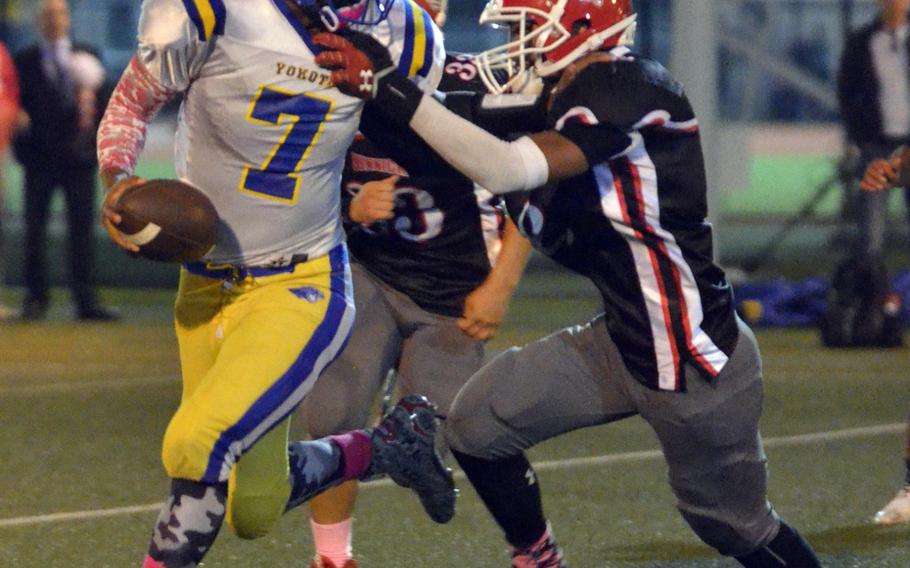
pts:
[150, 563]
[333, 541]
[358, 452]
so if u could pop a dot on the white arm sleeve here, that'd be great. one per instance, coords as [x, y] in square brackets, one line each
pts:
[169, 44]
[497, 165]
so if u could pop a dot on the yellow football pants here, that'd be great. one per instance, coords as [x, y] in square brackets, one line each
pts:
[252, 345]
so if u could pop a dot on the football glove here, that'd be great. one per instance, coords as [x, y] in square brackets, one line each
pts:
[362, 67]
[358, 62]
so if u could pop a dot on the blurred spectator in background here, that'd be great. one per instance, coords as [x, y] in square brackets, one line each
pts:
[881, 176]
[874, 93]
[884, 50]
[9, 112]
[60, 86]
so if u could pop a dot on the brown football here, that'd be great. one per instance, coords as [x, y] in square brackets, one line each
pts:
[169, 220]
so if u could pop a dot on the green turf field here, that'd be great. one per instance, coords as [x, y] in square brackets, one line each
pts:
[83, 408]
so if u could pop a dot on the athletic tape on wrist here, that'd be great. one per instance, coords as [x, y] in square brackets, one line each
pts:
[398, 98]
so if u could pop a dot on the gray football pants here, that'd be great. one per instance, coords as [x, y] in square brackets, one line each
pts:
[430, 354]
[577, 378]
[873, 205]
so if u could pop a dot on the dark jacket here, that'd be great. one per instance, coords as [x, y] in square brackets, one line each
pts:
[858, 87]
[53, 138]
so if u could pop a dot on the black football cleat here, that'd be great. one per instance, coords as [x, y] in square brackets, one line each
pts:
[97, 314]
[34, 308]
[403, 449]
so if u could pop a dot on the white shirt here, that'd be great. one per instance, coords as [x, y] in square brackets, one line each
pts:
[889, 56]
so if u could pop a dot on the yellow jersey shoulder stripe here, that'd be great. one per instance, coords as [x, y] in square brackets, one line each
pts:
[419, 41]
[208, 16]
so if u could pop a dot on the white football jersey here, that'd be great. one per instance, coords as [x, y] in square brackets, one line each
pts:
[262, 131]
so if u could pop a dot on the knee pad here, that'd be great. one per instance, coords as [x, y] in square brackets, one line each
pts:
[254, 516]
[252, 512]
[480, 431]
[484, 422]
[462, 430]
[186, 452]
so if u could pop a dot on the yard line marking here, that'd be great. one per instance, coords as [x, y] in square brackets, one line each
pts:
[777, 442]
[78, 515]
[53, 388]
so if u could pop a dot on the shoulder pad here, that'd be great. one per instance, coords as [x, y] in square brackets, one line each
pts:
[176, 37]
[415, 43]
[621, 93]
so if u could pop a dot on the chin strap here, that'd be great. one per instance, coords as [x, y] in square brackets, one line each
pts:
[330, 19]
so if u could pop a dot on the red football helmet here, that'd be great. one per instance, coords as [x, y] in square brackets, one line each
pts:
[548, 35]
[437, 9]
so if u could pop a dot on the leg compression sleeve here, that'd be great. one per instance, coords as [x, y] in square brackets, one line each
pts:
[787, 549]
[188, 523]
[316, 465]
[509, 489]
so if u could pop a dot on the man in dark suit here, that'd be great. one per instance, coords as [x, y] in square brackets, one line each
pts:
[875, 102]
[60, 85]
[874, 93]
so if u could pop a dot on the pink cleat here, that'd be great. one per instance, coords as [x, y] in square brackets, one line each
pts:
[323, 562]
[544, 553]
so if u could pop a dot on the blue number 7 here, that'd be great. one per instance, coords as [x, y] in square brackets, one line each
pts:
[306, 114]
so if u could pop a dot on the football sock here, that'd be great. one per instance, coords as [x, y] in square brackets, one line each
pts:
[333, 541]
[357, 452]
[187, 525]
[318, 465]
[787, 549]
[509, 489]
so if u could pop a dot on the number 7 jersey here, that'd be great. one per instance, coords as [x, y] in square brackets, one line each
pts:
[262, 131]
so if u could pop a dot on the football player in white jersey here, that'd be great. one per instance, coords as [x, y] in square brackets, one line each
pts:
[262, 132]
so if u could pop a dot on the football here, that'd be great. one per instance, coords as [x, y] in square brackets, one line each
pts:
[169, 220]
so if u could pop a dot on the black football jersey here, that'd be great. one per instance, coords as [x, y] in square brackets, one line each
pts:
[445, 235]
[634, 223]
